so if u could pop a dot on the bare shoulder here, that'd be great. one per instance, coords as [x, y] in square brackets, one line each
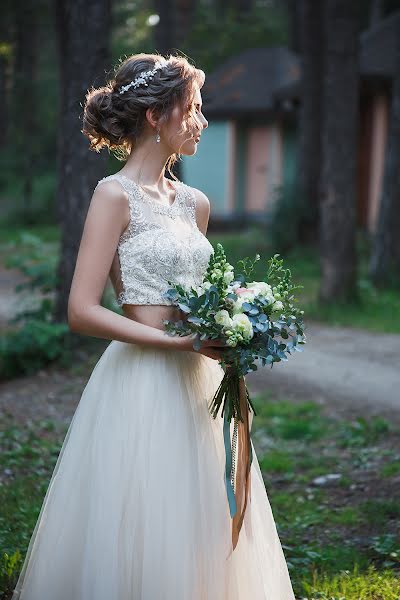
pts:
[110, 197]
[111, 190]
[202, 209]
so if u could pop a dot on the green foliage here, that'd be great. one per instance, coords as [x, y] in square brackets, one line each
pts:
[391, 468]
[38, 210]
[219, 33]
[27, 459]
[31, 347]
[35, 262]
[327, 528]
[353, 585]
[10, 566]
[387, 546]
[277, 461]
[37, 339]
[362, 431]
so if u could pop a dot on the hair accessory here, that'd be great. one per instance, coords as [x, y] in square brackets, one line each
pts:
[143, 77]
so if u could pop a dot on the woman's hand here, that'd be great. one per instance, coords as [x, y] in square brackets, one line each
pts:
[212, 348]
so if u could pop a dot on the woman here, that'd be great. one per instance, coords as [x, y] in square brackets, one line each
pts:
[136, 508]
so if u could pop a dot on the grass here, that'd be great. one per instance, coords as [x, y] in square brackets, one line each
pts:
[353, 585]
[339, 535]
[27, 458]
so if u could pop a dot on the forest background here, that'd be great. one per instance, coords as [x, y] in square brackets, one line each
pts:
[337, 507]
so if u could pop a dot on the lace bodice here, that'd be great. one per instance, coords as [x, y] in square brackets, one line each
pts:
[161, 243]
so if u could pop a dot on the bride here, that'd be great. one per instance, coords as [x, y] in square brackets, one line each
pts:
[136, 507]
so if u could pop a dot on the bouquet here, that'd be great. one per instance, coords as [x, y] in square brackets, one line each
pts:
[257, 320]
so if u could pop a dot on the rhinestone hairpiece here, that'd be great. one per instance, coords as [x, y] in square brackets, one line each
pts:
[143, 77]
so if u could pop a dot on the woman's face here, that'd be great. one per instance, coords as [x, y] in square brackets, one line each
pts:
[173, 133]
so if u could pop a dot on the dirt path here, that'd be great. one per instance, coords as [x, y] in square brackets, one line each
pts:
[347, 369]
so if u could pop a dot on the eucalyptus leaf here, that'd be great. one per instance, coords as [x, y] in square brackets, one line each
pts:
[193, 319]
[184, 307]
[197, 344]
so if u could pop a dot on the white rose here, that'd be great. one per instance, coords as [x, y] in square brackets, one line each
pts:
[222, 318]
[260, 287]
[242, 324]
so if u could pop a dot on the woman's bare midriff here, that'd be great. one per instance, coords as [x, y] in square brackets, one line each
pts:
[152, 315]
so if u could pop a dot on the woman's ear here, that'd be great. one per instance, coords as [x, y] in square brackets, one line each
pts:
[152, 117]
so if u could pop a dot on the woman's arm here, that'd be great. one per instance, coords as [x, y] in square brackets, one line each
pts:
[107, 218]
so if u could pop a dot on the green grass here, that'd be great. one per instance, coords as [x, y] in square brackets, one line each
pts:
[27, 459]
[12, 233]
[330, 529]
[353, 585]
[391, 468]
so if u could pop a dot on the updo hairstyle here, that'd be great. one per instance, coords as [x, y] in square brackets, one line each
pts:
[117, 121]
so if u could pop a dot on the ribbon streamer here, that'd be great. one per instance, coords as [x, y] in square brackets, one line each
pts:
[238, 496]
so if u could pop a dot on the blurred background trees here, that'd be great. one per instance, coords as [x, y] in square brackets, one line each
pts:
[52, 51]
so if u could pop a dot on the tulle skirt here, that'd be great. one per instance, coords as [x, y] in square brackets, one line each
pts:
[136, 508]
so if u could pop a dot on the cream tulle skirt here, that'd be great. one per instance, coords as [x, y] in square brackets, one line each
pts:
[136, 508]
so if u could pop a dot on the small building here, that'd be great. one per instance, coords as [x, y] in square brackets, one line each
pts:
[248, 148]
[248, 152]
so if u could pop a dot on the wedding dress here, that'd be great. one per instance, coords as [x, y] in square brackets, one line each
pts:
[136, 508]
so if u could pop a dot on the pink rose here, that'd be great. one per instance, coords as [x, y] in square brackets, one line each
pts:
[241, 290]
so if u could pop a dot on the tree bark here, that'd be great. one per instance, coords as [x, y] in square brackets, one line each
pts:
[385, 257]
[339, 145]
[376, 12]
[24, 115]
[164, 38]
[83, 28]
[310, 116]
[6, 33]
[184, 17]
[244, 7]
[294, 8]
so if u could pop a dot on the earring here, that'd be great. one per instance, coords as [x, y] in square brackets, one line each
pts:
[158, 139]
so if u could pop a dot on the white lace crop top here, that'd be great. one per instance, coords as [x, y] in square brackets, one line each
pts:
[161, 243]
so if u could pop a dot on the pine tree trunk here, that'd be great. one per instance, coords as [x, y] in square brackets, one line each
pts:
[339, 149]
[164, 38]
[310, 118]
[385, 258]
[183, 18]
[24, 117]
[5, 72]
[83, 28]
[293, 9]
[376, 12]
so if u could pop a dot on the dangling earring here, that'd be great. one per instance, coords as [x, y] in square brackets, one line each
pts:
[158, 139]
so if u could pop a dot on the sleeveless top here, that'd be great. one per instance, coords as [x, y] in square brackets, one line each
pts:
[161, 243]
